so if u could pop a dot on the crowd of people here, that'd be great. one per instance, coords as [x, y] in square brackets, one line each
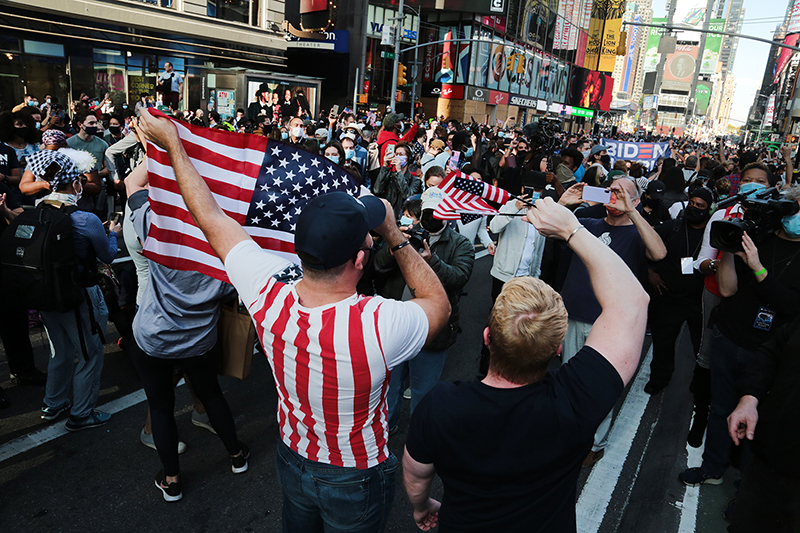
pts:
[377, 309]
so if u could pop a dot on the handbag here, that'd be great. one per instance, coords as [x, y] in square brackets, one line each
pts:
[237, 337]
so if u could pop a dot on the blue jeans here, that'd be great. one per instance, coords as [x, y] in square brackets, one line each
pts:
[423, 371]
[322, 497]
[727, 360]
[65, 348]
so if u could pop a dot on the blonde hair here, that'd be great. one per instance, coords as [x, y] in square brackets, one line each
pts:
[527, 324]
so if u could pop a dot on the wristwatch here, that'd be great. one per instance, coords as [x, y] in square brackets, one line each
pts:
[713, 265]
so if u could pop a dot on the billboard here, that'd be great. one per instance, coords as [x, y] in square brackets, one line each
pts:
[681, 64]
[689, 14]
[483, 7]
[702, 97]
[708, 65]
[479, 59]
[794, 19]
[651, 55]
[769, 114]
[604, 28]
[631, 58]
[785, 55]
[496, 64]
[589, 89]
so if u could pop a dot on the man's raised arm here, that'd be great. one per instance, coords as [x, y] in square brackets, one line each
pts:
[221, 231]
[618, 332]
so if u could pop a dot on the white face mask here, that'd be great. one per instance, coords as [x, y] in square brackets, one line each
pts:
[297, 132]
[78, 193]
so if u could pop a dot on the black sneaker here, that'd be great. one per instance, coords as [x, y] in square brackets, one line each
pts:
[171, 491]
[33, 377]
[51, 413]
[727, 514]
[239, 462]
[94, 419]
[697, 476]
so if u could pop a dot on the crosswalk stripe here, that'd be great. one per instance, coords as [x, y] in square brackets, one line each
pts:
[691, 496]
[603, 479]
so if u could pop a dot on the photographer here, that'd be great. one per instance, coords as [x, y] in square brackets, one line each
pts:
[395, 182]
[451, 256]
[760, 287]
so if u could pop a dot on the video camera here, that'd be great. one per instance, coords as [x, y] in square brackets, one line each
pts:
[763, 212]
[416, 236]
[543, 134]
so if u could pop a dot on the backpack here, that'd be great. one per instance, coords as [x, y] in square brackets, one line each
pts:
[165, 84]
[38, 263]
[374, 155]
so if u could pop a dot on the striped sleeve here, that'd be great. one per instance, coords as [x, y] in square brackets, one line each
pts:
[250, 269]
[402, 329]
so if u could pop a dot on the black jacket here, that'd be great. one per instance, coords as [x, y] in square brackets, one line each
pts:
[773, 376]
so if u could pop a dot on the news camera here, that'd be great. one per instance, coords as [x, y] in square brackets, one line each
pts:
[763, 211]
[543, 135]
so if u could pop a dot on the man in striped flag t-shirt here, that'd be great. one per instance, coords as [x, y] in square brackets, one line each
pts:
[331, 350]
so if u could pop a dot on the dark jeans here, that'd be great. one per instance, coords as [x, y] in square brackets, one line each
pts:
[171, 100]
[320, 497]
[17, 343]
[156, 375]
[727, 361]
[767, 501]
[667, 315]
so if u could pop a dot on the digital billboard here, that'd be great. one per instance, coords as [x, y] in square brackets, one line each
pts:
[590, 89]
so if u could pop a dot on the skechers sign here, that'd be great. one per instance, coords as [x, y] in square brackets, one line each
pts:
[523, 102]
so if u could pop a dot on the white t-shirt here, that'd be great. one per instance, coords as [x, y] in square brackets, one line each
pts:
[331, 363]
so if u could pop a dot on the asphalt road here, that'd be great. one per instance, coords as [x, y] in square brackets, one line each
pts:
[102, 479]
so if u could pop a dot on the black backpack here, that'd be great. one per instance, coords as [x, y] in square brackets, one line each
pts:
[40, 269]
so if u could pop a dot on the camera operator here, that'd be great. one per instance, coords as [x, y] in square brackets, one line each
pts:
[753, 177]
[760, 288]
[451, 256]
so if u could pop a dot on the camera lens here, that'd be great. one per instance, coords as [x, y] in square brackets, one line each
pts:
[726, 235]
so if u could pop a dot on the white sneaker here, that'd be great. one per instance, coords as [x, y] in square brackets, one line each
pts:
[148, 441]
[202, 421]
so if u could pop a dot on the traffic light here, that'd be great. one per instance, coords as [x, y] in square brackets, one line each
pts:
[622, 47]
[401, 75]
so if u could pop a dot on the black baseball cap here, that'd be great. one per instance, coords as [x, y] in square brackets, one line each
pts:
[656, 189]
[332, 228]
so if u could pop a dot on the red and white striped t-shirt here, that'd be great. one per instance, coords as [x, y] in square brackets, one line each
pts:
[331, 363]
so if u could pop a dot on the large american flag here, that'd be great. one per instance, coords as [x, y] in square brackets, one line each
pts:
[462, 199]
[261, 185]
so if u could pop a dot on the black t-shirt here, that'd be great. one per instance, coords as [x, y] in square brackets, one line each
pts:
[657, 215]
[757, 310]
[681, 240]
[8, 159]
[510, 458]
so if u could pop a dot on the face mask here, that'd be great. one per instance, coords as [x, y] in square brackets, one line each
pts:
[297, 132]
[406, 221]
[334, 158]
[469, 152]
[31, 102]
[21, 132]
[284, 135]
[501, 135]
[791, 225]
[91, 130]
[649, 202]
[747, 187]
[431, 224]
[694, 215]
[114, 129]
[124, 106]
[78, 193]
[48, 100]
[349, 154]
[38, 125]
[401, 127]
[535, 196]
[403, 160]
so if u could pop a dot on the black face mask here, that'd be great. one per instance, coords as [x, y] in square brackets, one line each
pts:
[429, 223]
[651, 203]
[114, 129]
[21, 132]
[91, 130]
[694, 215]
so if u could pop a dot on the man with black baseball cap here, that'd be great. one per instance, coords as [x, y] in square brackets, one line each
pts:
[331, 350]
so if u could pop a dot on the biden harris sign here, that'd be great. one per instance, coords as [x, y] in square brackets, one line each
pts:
[645, 153]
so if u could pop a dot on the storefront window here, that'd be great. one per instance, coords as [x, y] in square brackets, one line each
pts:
[162, 3]
[110, 80]
[231, 10]
[11, 73]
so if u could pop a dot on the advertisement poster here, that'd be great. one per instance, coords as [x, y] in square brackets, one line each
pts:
[769, 115]
[496, 64]
[645, 153]
[690, 14]
[785, 55]
[680, 65]
[708, 65]
[631, 58]
[479, 67]
[504, 81]
[429, 58]
[141, 84]
[226, 103]
[794, 19]
[702, 97]
[604, 28]
[590, 89]
[445, 74]
[461, 55]
[651, 55]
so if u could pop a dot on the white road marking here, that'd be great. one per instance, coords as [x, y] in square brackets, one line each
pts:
[58, 429]
[482, 253]
[691, 496]
[600, 485]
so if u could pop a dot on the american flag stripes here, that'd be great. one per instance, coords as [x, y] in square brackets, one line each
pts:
[262, 187]
[482, 189]
[458, 200]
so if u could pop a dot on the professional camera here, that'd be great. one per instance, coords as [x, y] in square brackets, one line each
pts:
[763, 212]
[416, 236]
[543, 134]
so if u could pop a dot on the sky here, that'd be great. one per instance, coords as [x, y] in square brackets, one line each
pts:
[751, 56]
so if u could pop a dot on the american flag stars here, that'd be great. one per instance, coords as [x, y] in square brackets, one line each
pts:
[289, 178]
